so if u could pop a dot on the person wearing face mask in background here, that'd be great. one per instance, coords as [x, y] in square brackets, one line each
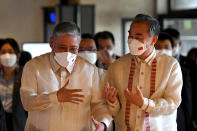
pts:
[62, 91]
[146, 84]
[185, 111]
[164, 44]
[10, 77]
[88, 51]
[105, 43]
[177, 45]
[87, 48]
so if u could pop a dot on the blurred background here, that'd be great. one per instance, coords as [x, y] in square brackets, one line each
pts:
[31, 22]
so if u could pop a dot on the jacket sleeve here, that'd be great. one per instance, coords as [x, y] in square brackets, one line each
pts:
[172, 95]
[31, 100]
[98, 103]
[113, 107]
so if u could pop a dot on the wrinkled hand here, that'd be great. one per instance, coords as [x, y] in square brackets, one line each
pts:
[134, 98]
[69, 95]
[110, 93]
[105, 57]
[98, 125]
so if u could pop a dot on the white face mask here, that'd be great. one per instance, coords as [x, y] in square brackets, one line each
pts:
[89, 56]
[110, 52]
[8, 60]
[175, 51]
[136, 47]
[65, 59]
[165, 51]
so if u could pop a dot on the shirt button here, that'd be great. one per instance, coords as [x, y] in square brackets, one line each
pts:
[140, 87]
[138, 117]
[137, 130]
[142, 73]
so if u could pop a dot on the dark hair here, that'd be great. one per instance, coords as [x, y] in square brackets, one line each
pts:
[164, 36]
[87, 36]
[24, 58]
[153, 24]
[69, 28]
[12, 43]
[191, 52]
[2, 41]
[173, 32]
[103, 35]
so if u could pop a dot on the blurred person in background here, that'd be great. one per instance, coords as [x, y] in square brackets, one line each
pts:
[192, 65]
[105, 43]
[87, 48]
[186, 104]
[88, 51]
[177, 44]
[10, 82]
[164, 44]
[24, 58]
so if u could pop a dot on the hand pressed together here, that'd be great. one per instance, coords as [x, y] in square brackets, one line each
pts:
[110, 93]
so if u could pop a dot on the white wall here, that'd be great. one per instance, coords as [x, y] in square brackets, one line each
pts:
[23, 19]
[162, 6]
[110, 12]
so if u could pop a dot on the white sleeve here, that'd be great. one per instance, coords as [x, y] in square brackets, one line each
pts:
[98, 103]
[113, 107]
[31, 100]
[171, 98]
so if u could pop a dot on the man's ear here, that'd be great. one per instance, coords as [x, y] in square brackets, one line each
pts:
[154, 40]
[180, 44]
[51, 42]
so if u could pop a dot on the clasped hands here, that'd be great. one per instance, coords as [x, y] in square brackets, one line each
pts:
[134, 98]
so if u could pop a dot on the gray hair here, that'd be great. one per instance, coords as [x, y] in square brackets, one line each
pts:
[153, 24]
[67, 28]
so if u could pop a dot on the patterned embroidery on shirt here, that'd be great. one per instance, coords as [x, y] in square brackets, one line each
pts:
[152, 90]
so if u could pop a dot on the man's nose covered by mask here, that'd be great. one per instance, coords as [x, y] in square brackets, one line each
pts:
[65, 59]
[89, 56]
[8, 60]
[165, 51]
[136, 47]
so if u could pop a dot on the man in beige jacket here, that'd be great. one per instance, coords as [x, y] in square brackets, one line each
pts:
[62, 91]
[144, 89]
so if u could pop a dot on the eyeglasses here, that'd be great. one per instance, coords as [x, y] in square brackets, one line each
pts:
[87, 49]
[72, 49]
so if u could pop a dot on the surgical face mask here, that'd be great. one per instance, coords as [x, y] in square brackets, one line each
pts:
[8, 60]
[175, 51]
[89, 56]
[136, 47]
[110, 52]
[165, 51]
[65, 59]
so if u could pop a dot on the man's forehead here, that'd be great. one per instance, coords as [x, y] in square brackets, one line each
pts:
[139, 28]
